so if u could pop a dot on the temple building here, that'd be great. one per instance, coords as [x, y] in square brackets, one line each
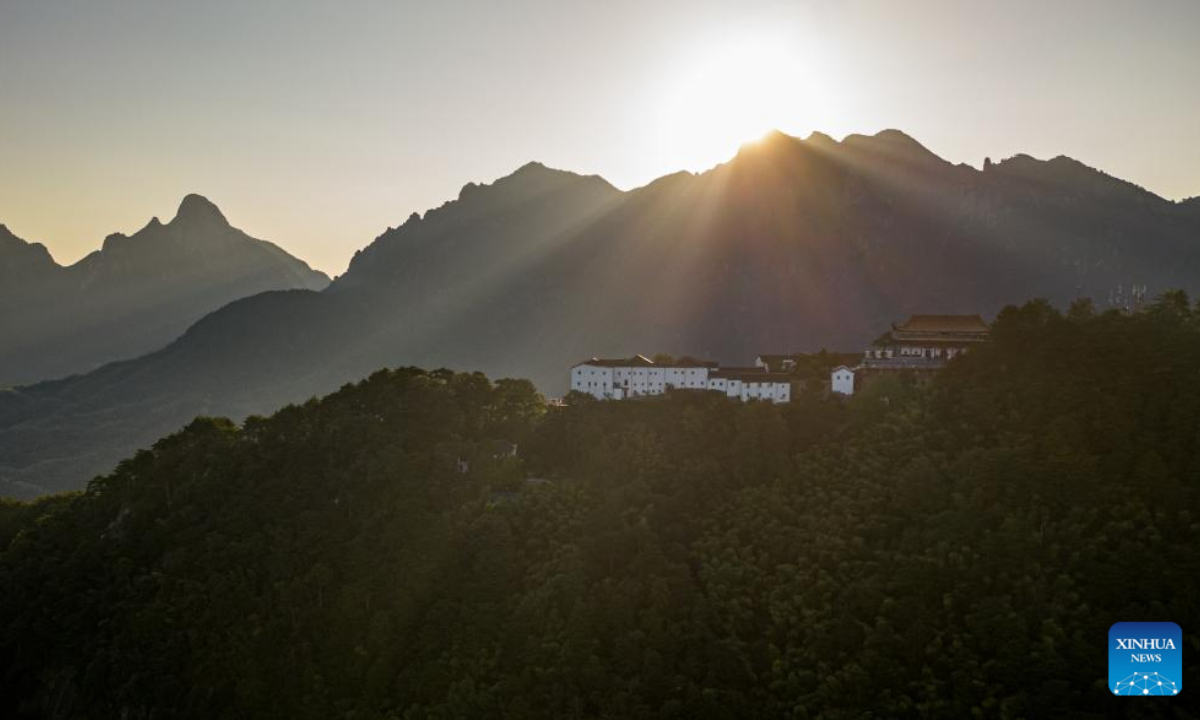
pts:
[924, 343]
[921, 344]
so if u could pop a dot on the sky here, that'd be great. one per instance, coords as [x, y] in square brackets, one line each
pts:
[318, 125]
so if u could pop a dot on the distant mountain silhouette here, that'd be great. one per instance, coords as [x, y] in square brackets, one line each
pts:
[134, 295]
[792, 245]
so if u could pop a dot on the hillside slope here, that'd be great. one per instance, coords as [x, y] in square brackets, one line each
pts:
[953, 551]
[792, 245]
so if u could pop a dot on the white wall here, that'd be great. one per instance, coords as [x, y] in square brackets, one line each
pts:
[842, 381]
[592, 379]
[773, 391]
[689, 378]
[618, 383]
[640, 380]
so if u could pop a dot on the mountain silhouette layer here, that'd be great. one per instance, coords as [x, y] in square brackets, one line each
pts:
[793, 245]
[134, 295]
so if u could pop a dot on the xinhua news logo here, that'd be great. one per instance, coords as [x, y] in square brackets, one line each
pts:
[1145, 659]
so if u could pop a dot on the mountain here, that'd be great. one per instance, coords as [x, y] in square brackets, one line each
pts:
[792, 245]
[134, 295]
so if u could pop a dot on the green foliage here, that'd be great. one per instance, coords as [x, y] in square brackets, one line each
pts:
[952, 550]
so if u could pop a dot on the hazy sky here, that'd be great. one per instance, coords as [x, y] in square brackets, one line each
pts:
[317, 125]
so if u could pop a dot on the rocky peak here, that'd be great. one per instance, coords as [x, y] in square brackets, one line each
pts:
[198, 210]
[892, 144]
[18, 253]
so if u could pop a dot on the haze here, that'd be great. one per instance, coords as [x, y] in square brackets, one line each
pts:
[318, 125]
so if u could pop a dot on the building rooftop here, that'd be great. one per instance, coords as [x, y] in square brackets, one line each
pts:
[635, 361]
[643, 361]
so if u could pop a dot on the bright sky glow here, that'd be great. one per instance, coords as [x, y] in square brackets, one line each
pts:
[729, 93]
[319, 124]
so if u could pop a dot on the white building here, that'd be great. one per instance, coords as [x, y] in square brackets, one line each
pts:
[619, 379]
[637, 376]
[924, 343]
[752, 384]
[774, 387]
[688, 374]
[842, 380]
[595, 377]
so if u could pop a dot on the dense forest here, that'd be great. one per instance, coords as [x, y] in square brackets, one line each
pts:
[953, 550]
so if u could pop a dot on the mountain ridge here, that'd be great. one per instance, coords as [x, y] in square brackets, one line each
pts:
[133, 294]
[17, 255]
[791, 245]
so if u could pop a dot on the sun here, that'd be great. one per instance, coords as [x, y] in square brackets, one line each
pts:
[731, 95]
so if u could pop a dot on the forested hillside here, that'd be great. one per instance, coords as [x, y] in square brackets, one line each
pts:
[953, 551]
[793, 245]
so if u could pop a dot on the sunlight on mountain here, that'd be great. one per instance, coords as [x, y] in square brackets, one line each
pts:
[734, 95]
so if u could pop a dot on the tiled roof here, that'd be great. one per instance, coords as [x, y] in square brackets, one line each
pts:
[635, 361]
[643, 361]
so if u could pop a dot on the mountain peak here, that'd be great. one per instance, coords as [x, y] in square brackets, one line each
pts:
[8, 237]
[891, 145]
[539, 173]
[1066, 171]
[820, 139]
[533, 179]
[771, 144]
[30, 254]
[198, 209]
[898, 137]
[894, 140]
[776, 135]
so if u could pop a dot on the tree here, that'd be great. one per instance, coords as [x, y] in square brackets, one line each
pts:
[1081, 309]
[948, 549]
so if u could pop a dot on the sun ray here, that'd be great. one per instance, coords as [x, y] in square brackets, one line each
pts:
[731, 94]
